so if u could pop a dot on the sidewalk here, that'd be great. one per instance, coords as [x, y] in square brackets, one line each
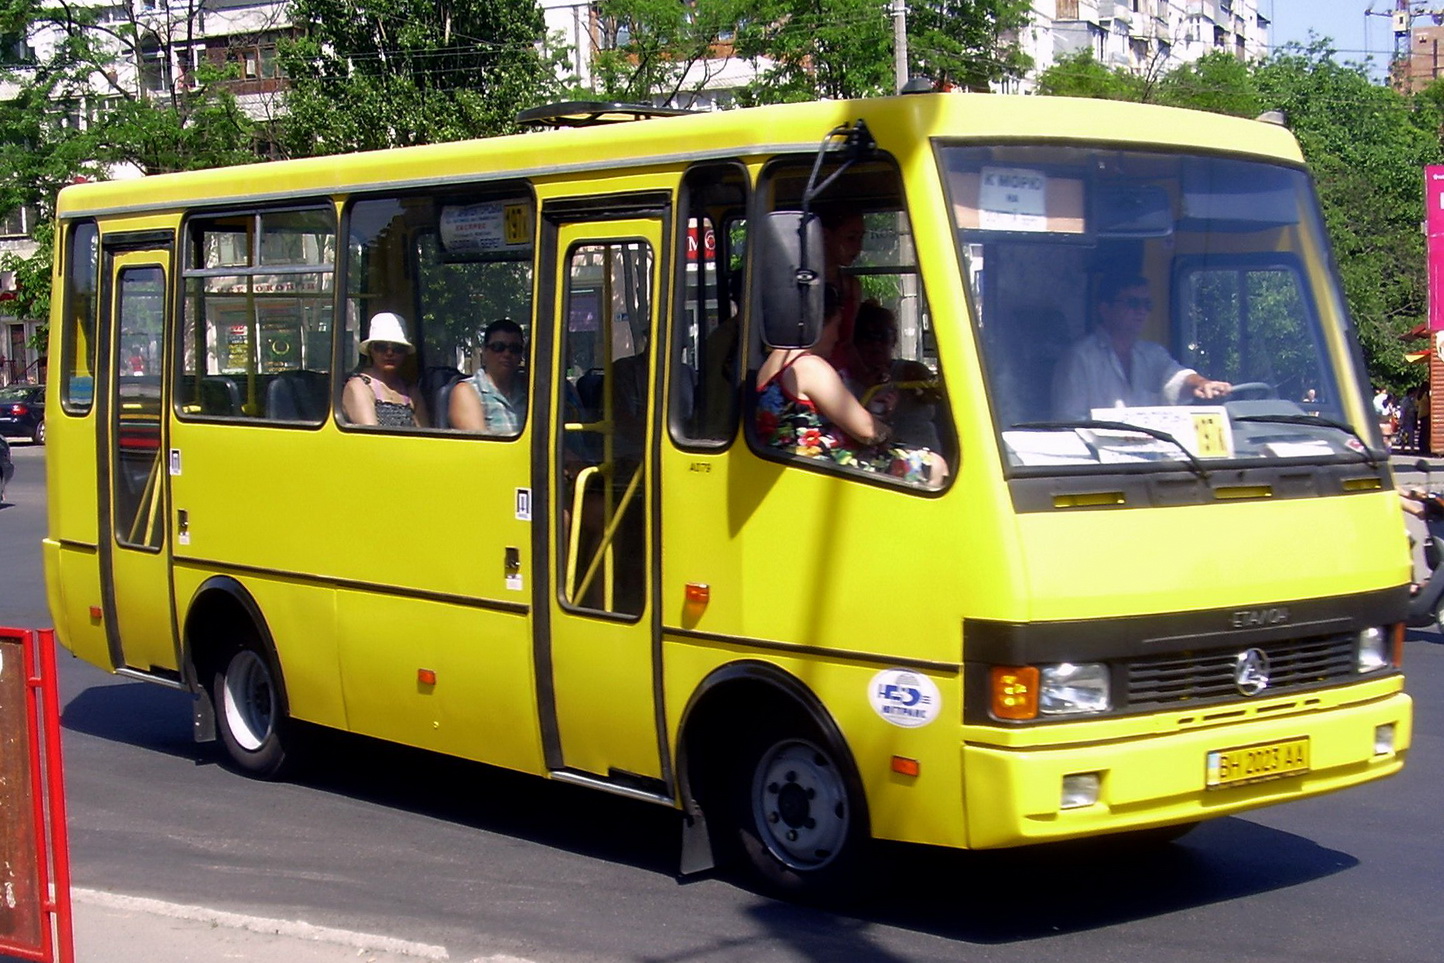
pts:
[111, 928]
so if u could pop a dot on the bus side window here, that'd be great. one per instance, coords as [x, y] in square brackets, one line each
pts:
[78, 344]
[703, 404]
[256, 332]
[450, 265]
[884, 353]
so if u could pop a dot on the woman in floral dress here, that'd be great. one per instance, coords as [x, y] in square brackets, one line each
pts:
[804, 408]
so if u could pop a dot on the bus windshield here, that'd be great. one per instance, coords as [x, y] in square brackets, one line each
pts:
[1148, 308]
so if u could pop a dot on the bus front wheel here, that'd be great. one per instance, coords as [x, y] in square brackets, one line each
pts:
[249, 717]
[799, 826]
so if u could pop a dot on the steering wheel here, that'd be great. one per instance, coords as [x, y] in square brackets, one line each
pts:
[1255, 389]
[870, 393]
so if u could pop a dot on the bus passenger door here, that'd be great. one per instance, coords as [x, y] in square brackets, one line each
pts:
[597, 639]
[134, 554]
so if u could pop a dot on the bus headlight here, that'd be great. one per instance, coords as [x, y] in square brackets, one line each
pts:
[1372, 650]
[1071, 688]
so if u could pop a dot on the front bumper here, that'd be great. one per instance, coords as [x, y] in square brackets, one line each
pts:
[1153, 770]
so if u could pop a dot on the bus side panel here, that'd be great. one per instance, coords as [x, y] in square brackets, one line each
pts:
[72, 565]
[300, 617]
[839, 562]
[440, 676]
[72, 587]
[70, 472]
[926, 808]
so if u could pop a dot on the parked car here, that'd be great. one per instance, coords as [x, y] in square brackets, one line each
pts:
[7, 467]
[22, 412]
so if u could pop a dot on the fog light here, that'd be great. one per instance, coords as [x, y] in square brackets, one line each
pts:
[1079, 790]
[1384, 739]
[1372, 651]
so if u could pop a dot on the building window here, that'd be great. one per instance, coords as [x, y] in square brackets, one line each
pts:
[155, 69]
[18, 222]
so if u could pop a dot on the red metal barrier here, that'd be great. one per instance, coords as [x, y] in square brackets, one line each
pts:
[35, 919]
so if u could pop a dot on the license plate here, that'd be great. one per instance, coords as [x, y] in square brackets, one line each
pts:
[1246, 764]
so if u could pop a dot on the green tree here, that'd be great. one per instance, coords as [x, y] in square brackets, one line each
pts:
[810, 49]
[1081, 75]
[661, 51]
[367, 74]
[967, 43]
[99, 95]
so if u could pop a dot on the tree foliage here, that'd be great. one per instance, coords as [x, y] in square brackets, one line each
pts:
[967, 43]
[666, 51]
[73, 111]
[367, 74]
[1366, 145]
[660, 51]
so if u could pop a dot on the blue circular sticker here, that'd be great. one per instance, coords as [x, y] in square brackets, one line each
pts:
[904, 698]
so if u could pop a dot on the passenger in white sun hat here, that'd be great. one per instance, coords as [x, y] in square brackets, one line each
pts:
[378, 394]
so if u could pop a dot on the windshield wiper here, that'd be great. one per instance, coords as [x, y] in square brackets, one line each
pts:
[1368, 452]
[1193, 461]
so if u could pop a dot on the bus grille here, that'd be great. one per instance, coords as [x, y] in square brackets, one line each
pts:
[1207, 676]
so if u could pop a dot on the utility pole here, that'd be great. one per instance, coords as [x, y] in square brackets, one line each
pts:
[900, 43]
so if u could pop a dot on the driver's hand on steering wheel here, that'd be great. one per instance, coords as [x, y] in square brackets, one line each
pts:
[1209, 390]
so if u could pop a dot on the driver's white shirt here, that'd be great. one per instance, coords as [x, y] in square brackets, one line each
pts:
[1090, 376]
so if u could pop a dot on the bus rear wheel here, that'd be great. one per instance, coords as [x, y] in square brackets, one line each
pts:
[799, 826]
[249, 717]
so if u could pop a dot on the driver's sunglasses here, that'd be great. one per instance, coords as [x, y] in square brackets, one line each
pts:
[499, 346]
[388, 347]
[1135, 304]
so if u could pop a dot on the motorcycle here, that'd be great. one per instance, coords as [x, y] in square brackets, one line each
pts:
[1426, 601]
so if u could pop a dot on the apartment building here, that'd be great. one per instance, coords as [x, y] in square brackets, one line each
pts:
[1144, 36]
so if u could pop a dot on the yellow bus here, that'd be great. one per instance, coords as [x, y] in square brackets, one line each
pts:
[1118, 606]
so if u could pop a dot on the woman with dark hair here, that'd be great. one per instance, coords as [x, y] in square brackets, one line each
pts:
[803, 407]
[493, 401]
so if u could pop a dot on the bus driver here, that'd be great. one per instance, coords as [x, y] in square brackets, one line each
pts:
[1112, 367]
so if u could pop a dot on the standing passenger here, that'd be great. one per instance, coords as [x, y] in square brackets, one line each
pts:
[493, 401]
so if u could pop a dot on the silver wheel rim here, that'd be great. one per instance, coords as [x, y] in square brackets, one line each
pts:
[800, 805]
[249, 700]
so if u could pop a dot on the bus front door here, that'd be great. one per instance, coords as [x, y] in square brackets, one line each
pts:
[134, 554]
[597, 644]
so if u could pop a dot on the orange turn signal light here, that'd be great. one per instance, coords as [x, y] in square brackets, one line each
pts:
[1397, 655]
[906, 766]
[698, 593]
[426, 676]
[1015, 691]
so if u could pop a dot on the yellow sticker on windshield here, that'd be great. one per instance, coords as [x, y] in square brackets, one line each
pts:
[1214, 438]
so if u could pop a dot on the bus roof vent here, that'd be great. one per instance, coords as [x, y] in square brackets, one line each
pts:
[589, 113]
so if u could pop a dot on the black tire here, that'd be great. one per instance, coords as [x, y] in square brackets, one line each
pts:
[250, 718]
[800, 827]
[38, 435]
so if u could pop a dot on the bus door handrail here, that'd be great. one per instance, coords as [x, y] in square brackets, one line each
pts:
[605, 547]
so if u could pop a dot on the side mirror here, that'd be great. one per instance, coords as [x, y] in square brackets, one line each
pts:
[789, 275]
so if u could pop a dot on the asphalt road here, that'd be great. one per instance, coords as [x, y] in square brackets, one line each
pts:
[383, 840]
